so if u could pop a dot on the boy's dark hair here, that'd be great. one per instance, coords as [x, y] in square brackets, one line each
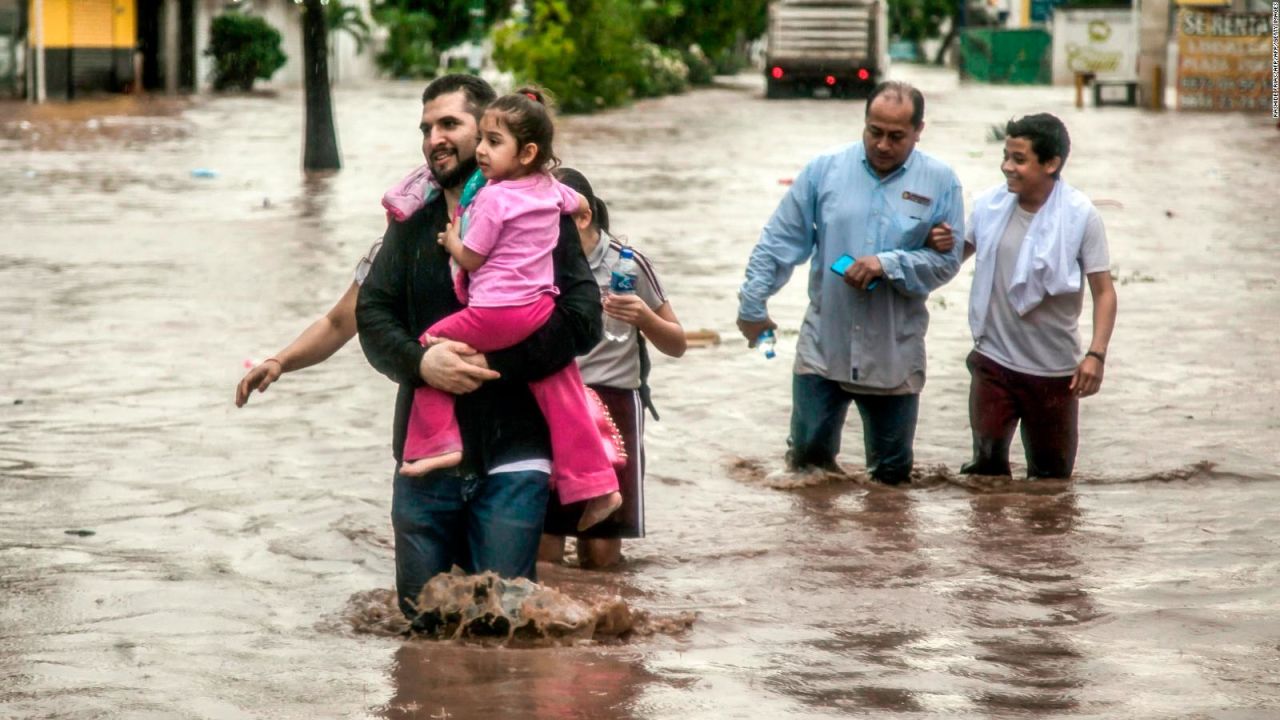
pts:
[526, 113]
[904, 91]
[1048, 136]
[478, 92]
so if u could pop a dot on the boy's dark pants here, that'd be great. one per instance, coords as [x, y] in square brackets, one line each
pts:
[999, 398]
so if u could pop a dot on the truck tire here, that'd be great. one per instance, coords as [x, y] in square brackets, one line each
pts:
[775, 89]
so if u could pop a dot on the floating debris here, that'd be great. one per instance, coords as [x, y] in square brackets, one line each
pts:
[702, 338]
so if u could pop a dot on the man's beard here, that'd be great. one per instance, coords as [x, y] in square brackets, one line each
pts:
[460, 173]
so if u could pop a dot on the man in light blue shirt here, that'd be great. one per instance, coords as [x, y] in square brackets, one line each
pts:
[862, 338]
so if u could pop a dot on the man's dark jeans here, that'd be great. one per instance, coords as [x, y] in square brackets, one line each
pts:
[478, 523]
[818, 409]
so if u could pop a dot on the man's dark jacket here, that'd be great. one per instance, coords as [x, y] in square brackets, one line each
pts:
[409, 288]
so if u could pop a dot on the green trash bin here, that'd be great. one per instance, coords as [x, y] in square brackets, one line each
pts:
[1007, 57]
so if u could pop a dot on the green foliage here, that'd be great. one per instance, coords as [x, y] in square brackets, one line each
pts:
[448, 21]
[586, 65]
[662, 72]
[453, 18]
[916, 20]
[409, 52]
[244, 48]
[701, 70]
[594, 54]
[719, 27]
[419, 29]
[347, 18]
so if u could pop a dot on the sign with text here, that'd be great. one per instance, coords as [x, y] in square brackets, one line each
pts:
[1102, 42]
[1224, 60]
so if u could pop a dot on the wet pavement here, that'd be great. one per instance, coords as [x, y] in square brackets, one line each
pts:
[215, 550]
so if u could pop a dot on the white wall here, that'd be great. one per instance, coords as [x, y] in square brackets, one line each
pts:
[345, 66]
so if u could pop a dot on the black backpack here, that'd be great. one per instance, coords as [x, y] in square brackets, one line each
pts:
[646, 398]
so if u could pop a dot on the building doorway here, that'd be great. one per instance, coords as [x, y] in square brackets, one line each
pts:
[13, 31]
[152, 46]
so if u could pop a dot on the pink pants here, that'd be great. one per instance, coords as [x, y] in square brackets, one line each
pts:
[581, 469]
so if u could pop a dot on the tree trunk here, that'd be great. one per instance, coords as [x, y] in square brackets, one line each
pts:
[320, 151]
[958, 20]
[941, 57]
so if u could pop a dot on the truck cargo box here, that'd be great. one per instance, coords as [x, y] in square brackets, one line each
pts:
[839, 45]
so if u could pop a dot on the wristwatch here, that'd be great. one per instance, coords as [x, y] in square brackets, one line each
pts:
[1102, 357]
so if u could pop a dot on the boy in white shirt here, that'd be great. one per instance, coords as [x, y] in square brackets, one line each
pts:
[1035, 238]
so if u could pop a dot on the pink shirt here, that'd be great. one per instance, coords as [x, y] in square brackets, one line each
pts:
[515, 224]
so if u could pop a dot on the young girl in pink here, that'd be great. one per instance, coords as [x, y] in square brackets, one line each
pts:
[504, 245]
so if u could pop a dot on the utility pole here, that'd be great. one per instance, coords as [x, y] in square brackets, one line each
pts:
[1153, 48]
[41, 86]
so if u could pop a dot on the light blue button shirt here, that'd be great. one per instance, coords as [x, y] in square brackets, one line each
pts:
[838, 205]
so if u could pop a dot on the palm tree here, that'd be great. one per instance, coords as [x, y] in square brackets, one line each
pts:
[347, 18]
[320, 148]
[344, 18]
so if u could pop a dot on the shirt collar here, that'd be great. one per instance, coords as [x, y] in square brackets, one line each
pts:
[601, 250]
[906, 165]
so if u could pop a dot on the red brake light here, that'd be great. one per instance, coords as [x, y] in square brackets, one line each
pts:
[863, 74]
[831, 79]
[776, 73]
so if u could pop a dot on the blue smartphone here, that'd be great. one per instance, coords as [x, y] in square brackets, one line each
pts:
[842, 264]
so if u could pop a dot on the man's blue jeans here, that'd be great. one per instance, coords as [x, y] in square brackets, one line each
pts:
[476, 522]
[818, 409]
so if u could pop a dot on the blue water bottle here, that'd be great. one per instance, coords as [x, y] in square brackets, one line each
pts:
[622, 281]
[767, 342]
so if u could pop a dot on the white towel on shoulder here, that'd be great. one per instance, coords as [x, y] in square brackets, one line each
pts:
[1048, 261]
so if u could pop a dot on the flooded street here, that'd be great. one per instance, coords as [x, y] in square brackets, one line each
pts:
[166, 555]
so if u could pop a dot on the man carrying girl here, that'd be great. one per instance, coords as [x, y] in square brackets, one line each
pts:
[503, 247]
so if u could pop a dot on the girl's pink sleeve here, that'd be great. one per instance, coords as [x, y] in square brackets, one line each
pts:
[568, 198]
[484, 221]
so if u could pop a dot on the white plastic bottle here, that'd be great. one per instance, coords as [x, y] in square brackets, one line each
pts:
[622, 281]
[767, 342]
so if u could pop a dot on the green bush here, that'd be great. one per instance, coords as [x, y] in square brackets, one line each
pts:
[409, 52]
[452, 18]
[730, 61]
[701, 71]
[721, 28]
[662, 72]
[244, 48]
[587, 65]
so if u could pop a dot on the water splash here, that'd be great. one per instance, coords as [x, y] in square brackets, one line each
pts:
[491, 610]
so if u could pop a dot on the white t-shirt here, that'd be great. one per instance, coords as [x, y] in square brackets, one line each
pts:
[617, 364]
[1045, 341]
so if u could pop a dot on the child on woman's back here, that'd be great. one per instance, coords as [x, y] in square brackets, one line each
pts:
[503, 245]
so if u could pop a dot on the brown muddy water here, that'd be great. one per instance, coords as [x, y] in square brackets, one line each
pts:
[221, 547]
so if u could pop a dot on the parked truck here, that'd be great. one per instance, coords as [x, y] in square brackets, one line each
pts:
[836, 46]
